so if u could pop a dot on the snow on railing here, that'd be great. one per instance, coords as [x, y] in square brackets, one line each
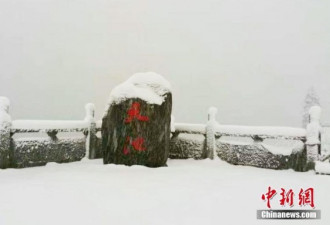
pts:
[212, 129]
[262, 132]
[27, 126]
[189, 128]
[47, 126]
[244, 131]
[51, 127]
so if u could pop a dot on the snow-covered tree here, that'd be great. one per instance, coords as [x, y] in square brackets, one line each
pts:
[311, 100]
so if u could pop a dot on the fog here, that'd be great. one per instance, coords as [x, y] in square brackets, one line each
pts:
[253, 60]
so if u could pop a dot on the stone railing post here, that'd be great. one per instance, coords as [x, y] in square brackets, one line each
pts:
[5, 126]
[313, 134]
[91, 135]
[210, 133]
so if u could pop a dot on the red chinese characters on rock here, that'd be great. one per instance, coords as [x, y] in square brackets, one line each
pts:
[134, 113]
[136, 143]
[287, 197]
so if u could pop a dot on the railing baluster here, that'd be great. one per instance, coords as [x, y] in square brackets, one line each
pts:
[91, 134]
[210, 133]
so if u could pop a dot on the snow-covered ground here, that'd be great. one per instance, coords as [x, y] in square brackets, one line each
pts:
[185, 192]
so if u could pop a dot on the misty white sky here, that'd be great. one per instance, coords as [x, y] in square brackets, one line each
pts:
[252, 59]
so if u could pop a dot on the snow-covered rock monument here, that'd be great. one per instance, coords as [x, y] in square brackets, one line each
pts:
[136, 126]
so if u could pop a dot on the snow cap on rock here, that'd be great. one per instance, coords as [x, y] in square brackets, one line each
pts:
[150, 87]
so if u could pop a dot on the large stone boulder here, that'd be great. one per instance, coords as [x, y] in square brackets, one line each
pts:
[136, 126]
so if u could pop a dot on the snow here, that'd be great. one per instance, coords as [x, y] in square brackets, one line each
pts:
[312, 139]
[279, 150]
[261, 130]
[99, 124]
[90, 111]
[315, 113]
[276, 148]
[325, 140]
[187, 192]
[314, 127]
[150, 87]
[190, 128]
[210, 132]
[192, 137]
[322, 167]
[311, 100]
[172, 123]
[49, 124]
[5, 119]
[212, 113]
[236, 142]
[242, 130]
[4, 104]
[26, 141]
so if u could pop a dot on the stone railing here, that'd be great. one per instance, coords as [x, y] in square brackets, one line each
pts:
[197, 141]
[45, 145]
[206, 142]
